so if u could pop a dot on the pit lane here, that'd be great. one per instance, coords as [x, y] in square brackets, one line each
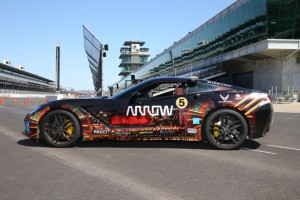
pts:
[264, 168]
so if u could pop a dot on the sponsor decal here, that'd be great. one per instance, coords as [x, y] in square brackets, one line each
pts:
[151, 110]
[145, 132]
[27, 127]
[122, 133]
[224, 99]
[219, 84]
[196, 120]
[166, 132]
[95, 131]
[182, 102]
[238, 97]
[192, 130]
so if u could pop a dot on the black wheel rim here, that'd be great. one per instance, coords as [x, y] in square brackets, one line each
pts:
[227, 130]
[59, 128]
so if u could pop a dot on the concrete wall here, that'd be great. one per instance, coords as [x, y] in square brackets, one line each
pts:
[268, 72]
[291, 74]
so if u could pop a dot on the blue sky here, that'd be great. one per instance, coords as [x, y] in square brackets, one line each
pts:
[31, 28]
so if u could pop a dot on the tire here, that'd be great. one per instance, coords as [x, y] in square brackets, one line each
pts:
[226, 129]
[60, 128]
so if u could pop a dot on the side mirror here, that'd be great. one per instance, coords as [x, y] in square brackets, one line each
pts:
[134, 97]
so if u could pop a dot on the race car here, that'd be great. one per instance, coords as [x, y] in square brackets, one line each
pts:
[164, 108]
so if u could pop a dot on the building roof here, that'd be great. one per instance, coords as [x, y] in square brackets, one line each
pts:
[24, 73]
[127, 43]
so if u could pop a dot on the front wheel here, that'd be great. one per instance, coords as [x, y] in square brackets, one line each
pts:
[60, 128]
[226, 129]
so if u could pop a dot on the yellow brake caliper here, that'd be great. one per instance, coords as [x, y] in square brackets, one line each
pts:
[70, 129]
[216, 129]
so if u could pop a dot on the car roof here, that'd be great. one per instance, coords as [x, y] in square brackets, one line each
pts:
[127, 92]
[170, 79]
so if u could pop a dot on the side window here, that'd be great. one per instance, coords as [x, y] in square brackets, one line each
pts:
[201, 87]
[165, 89]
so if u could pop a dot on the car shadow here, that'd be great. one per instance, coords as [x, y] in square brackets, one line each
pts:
[249, 144]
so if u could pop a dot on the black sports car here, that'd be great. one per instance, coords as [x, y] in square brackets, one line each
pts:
[168, 108]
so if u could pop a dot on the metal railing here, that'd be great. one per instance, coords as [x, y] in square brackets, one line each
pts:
[290, 95]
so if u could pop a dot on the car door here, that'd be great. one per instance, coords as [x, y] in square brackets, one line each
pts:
[153, 112]
[145, 111]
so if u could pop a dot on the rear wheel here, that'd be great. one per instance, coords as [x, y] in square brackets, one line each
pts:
[226, 129]
[60, 128]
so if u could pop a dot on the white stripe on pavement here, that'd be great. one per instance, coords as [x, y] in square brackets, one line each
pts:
[12, 108]
[282, 147]
[267, 152]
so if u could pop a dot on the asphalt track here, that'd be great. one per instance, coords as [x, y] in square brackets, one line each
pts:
[265, 168]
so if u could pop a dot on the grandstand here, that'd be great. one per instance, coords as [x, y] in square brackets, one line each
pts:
[17, 80]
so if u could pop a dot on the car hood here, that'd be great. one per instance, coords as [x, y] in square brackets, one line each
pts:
[83, 102]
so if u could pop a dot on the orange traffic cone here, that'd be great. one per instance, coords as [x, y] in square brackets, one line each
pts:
[15, 100]
[25, 101]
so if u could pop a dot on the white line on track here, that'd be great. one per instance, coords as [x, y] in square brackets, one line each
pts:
[292, 118]
[267, 152]
[11, 108]
[282, 147]
[136, 187]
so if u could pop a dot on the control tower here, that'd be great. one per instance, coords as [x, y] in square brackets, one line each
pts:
[132, 56]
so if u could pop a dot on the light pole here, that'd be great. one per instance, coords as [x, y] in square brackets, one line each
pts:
[57, 68]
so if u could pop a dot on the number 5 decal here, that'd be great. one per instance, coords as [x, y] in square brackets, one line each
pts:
[182, 102]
